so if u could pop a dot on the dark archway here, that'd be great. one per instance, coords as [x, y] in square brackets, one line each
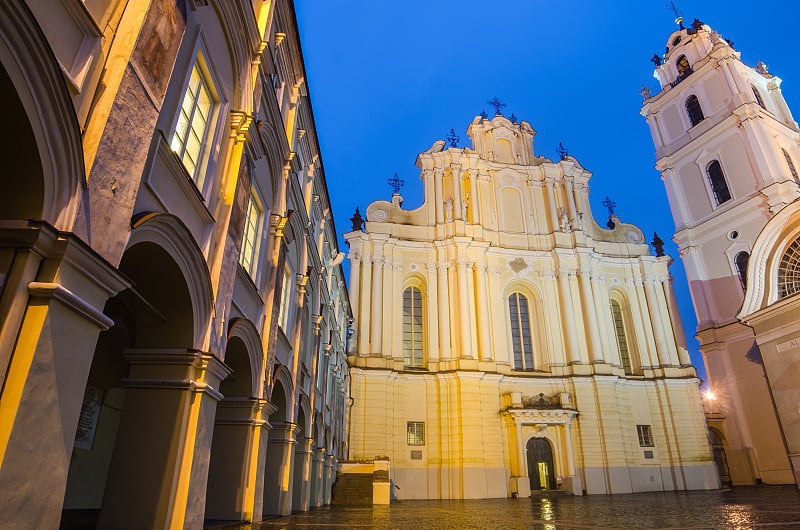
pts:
[715, 438]
[300, 471]
[540, 464]
[276, 478]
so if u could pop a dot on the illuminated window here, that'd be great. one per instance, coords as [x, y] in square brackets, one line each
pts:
[645, 433]
[193, 123]
[254, 219]
[622, 340]
[693, 110]
[789, 271]
[415, 432]
[412, 328]
[741, 260]
[789, 163]
[718, 185]
[684, 68]
[286, 300]
[521, 331]
[757, 94]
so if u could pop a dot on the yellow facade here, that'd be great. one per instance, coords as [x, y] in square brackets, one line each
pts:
[506, 342]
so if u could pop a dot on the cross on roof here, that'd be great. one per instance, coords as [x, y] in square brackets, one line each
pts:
[453, 138]
[562, 151]
[678, 14]
[396, 183]
[608, 203]
[497, 104]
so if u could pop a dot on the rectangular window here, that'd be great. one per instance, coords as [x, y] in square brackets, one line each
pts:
[286, 300]
[415, 431]
[645, 433]
[253, 222]
[193, 122]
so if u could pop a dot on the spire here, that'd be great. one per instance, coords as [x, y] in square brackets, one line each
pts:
[678, 14]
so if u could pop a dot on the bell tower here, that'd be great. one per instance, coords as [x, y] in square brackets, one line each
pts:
[728, 150]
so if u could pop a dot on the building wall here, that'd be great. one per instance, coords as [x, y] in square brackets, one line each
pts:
[497, 220]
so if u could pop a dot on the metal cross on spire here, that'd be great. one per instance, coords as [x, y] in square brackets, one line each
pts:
[562, 151]
[608, 203]
[497, 104]
[396, 183]
[678, 14]
[453, 138]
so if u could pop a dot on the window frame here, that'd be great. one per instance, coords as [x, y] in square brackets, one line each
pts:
[694, 109]
[417, 329]
[723, 180]
[645, 434]
[759, 97]
[620, 328]
[791, 166]
[415, 433]
[741, 267]
[284, 313]
[526, 357]
[254, 202]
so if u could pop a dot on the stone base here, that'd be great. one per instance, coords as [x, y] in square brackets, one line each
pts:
[519, 486]
[572, 484]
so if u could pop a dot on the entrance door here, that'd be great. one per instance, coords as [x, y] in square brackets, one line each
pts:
[718, 450]
[540, 464]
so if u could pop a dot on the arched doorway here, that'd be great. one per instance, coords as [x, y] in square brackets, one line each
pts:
[301, 461]
[720, 459]
[540, 464]
[280, 453]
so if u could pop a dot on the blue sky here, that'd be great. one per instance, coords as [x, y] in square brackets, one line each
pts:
[387, 79]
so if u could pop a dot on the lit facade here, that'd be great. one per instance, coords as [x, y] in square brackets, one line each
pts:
[726, 146]
[173, 310]
[504, 341]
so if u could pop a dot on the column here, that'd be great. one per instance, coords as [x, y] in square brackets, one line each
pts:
[397, 311]
[601, 305]
[364, 308]
[301, 488]
[666, 323]
[317, 478]
[474, 203]
[482, 301]
[432, 313]
[523, 461]
[439, 195]
[644, 326]
[656, 319]
[376, 319]
[355, 291]
[568, 447]
[327, 475]
[278, 472]
[590, 319]
[463, 311]
[457, 208]
[443, 310]
[568, 318]
[551, 205]
[570, 196]
[387, 307]
[677, 324]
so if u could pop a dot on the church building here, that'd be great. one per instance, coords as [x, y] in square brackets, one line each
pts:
[506, 342]
[728, 150]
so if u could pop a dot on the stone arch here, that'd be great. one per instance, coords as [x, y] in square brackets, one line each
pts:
[768, 249]
[48, 148]
[246, 331]
[169, 233]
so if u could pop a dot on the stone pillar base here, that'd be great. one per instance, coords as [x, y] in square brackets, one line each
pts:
[521, 486]
[572, 484]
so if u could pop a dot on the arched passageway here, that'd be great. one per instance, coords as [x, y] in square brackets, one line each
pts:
[715, 438]
[541, 470]
[302, 455]
[280, 456]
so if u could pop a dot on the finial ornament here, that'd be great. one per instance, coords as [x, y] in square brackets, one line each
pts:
[562, 151]
[497, 104]
[763, 69]
[645, 92]
[678, 14]
[357, 220]
[513, 118]
[658, 245]
[656, 60]
[484, 115]
[396, 183]
[611, 205]
[453, 138]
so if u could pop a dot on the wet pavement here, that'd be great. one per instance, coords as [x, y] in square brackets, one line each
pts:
[771, 507]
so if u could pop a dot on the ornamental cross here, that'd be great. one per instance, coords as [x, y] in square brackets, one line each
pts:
[562, 151]
[608, 203]
[453, 138]
[396, 183]
[678, 14]
[497, 104]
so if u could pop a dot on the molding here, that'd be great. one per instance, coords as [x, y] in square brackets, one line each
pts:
[72, 301]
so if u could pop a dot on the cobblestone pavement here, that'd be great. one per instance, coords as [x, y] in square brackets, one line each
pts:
[771, 507]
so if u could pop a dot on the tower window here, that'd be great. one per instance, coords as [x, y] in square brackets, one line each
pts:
[520, 331]
[718, 185]
[412, 328]
[693, 110]
[684, 68]
[757, 94]
[622, 341]
[740, 261]
[789, 163]
[789, 271]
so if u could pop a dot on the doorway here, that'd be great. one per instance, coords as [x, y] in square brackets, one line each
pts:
[540, 464]
[721, 461]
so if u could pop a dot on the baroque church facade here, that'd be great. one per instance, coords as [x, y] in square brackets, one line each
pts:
[506, 342]
[173, 309]
[728, 150]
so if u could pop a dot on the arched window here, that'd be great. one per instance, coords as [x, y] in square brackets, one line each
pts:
[718, 185]
[693, 110]
[684, 68]
[622, 340]
[789, 163]
[757, 94]
[412, 328]
[741, 260]
[521, 331]
[789, 271]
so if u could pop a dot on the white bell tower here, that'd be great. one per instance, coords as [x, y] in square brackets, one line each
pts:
[729, 151]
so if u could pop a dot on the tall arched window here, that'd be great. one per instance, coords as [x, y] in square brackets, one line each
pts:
[757, 94]
[718, 185]
[693, 110]
[789, 163]
[622, 340]
[412, 328]
[684, 68]
[521, 331]
[741, 260]
[789, 271]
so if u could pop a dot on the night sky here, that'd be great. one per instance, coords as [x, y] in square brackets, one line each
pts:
[387, 79]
